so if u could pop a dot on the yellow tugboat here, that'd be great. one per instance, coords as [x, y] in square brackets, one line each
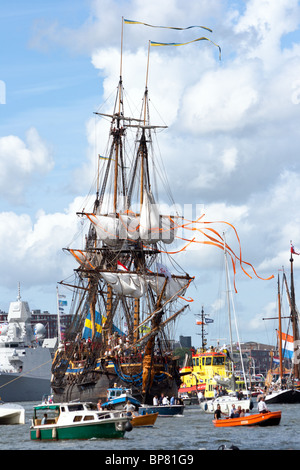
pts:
[210, 369]
[200, 376]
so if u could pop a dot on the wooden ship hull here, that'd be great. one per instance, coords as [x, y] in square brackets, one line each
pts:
[90, 384]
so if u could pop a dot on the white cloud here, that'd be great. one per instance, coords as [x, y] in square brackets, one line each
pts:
[222, 100]
[229, 159]
[269, 311]
[32, 249]
[265, 23]
[21, 163]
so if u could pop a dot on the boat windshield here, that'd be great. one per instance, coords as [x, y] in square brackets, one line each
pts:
[218, 360]
[91, 406]
[75, 407]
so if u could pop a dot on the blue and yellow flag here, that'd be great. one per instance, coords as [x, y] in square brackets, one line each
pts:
[99, 324]
[87, 331]
[144, 329]
[152, 43]
[165, 27]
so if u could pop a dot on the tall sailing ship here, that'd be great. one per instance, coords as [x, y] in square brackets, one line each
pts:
[125, 296]
[128, 288]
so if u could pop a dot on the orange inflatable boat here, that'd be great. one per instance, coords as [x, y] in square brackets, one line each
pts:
[272, 418]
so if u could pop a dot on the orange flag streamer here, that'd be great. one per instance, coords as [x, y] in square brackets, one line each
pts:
[212, 237]
[215, 239]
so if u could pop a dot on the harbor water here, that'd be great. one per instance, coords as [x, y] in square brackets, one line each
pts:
[191, 432]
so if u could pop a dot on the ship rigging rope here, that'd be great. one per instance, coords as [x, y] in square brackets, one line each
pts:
[136, 379]
[25, 373]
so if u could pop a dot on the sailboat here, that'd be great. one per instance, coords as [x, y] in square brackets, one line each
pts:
[125, 296]
[244, 400]
[286, 392]
[214, 369]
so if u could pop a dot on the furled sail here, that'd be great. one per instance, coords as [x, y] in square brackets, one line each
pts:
[174, 286]
[149, 227]
[128, 284]
[135, 285]
[107, 228]
[153, 226]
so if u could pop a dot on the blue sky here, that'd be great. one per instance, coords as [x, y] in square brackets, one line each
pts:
[235, 121]
[45, 85]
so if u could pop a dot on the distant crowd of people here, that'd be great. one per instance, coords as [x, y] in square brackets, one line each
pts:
[164, 400]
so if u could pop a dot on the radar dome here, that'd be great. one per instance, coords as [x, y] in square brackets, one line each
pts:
[39, 331]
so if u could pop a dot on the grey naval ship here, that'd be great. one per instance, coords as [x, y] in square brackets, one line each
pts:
[25, 358]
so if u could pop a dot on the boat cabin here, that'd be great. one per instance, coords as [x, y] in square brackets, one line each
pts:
[77, 420]
[200, 375]
[205, 361]
[73, 412]
[117, 397]
[117, 392]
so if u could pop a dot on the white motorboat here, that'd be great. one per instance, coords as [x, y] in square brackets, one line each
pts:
[77, 420]
[11, 413]
[226, 403]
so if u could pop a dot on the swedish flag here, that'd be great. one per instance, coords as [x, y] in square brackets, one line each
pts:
[99, 324]
[87, 330]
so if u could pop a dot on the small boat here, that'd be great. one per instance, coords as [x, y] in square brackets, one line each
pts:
[11, 413]
[117, 397]
[145, 420]
[163, 410]
[272, 418]
[188, 400]
[77, 420]
[283, 396]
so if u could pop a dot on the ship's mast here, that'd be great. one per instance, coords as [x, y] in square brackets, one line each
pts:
[280, 332]
[294, 319]
[203, 333]
[143, 145]
[117, 132]
[230, 302]
[280, 317]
